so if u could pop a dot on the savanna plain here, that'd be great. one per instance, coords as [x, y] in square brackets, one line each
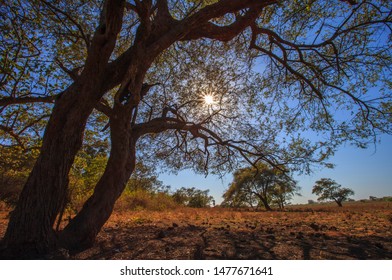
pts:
[359, 230]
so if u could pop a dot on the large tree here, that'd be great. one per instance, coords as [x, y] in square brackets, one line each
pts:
[191, 83]
[284, 191]
[263, 183]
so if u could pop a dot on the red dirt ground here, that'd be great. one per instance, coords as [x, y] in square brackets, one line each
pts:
[356, 231]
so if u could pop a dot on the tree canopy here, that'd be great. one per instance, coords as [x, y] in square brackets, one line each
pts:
[313, 68]
[209, 85]
[262, 185]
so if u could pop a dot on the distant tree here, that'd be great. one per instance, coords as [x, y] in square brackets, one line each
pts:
[144, 178]
[193, 197]
[283, 191]
[328, 189]
[262, 183]
[180, 196]
[238, 198]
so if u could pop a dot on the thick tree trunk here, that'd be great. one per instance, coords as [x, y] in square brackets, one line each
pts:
[81, 232]
[30, 228]
[30, 231]
[265, 202]
[266, 205]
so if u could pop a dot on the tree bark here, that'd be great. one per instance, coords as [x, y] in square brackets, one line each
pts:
[264, 201]
[30, 231]
[82, 230]
[266, 205]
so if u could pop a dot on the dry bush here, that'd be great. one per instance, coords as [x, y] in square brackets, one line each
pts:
[9, 192]
[4, 207]
[390, 218]
[143, 200]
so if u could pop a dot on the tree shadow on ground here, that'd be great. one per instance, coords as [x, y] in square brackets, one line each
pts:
[198, 242]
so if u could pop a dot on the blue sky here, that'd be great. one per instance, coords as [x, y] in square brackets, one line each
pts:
[367, 171]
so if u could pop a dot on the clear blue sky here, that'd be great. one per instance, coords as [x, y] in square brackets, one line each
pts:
[367, 172]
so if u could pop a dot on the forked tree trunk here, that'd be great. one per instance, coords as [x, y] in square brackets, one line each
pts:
[82, 230]
[266, 205]
[30, 228]
[30, 231]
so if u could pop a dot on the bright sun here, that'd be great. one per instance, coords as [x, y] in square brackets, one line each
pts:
[209, 99]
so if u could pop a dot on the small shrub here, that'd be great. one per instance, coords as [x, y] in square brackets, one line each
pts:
[4, 206]
[140, 220]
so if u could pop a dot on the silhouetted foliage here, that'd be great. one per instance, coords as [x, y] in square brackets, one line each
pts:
[328, 189]
[193, 197]
[263, 184]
